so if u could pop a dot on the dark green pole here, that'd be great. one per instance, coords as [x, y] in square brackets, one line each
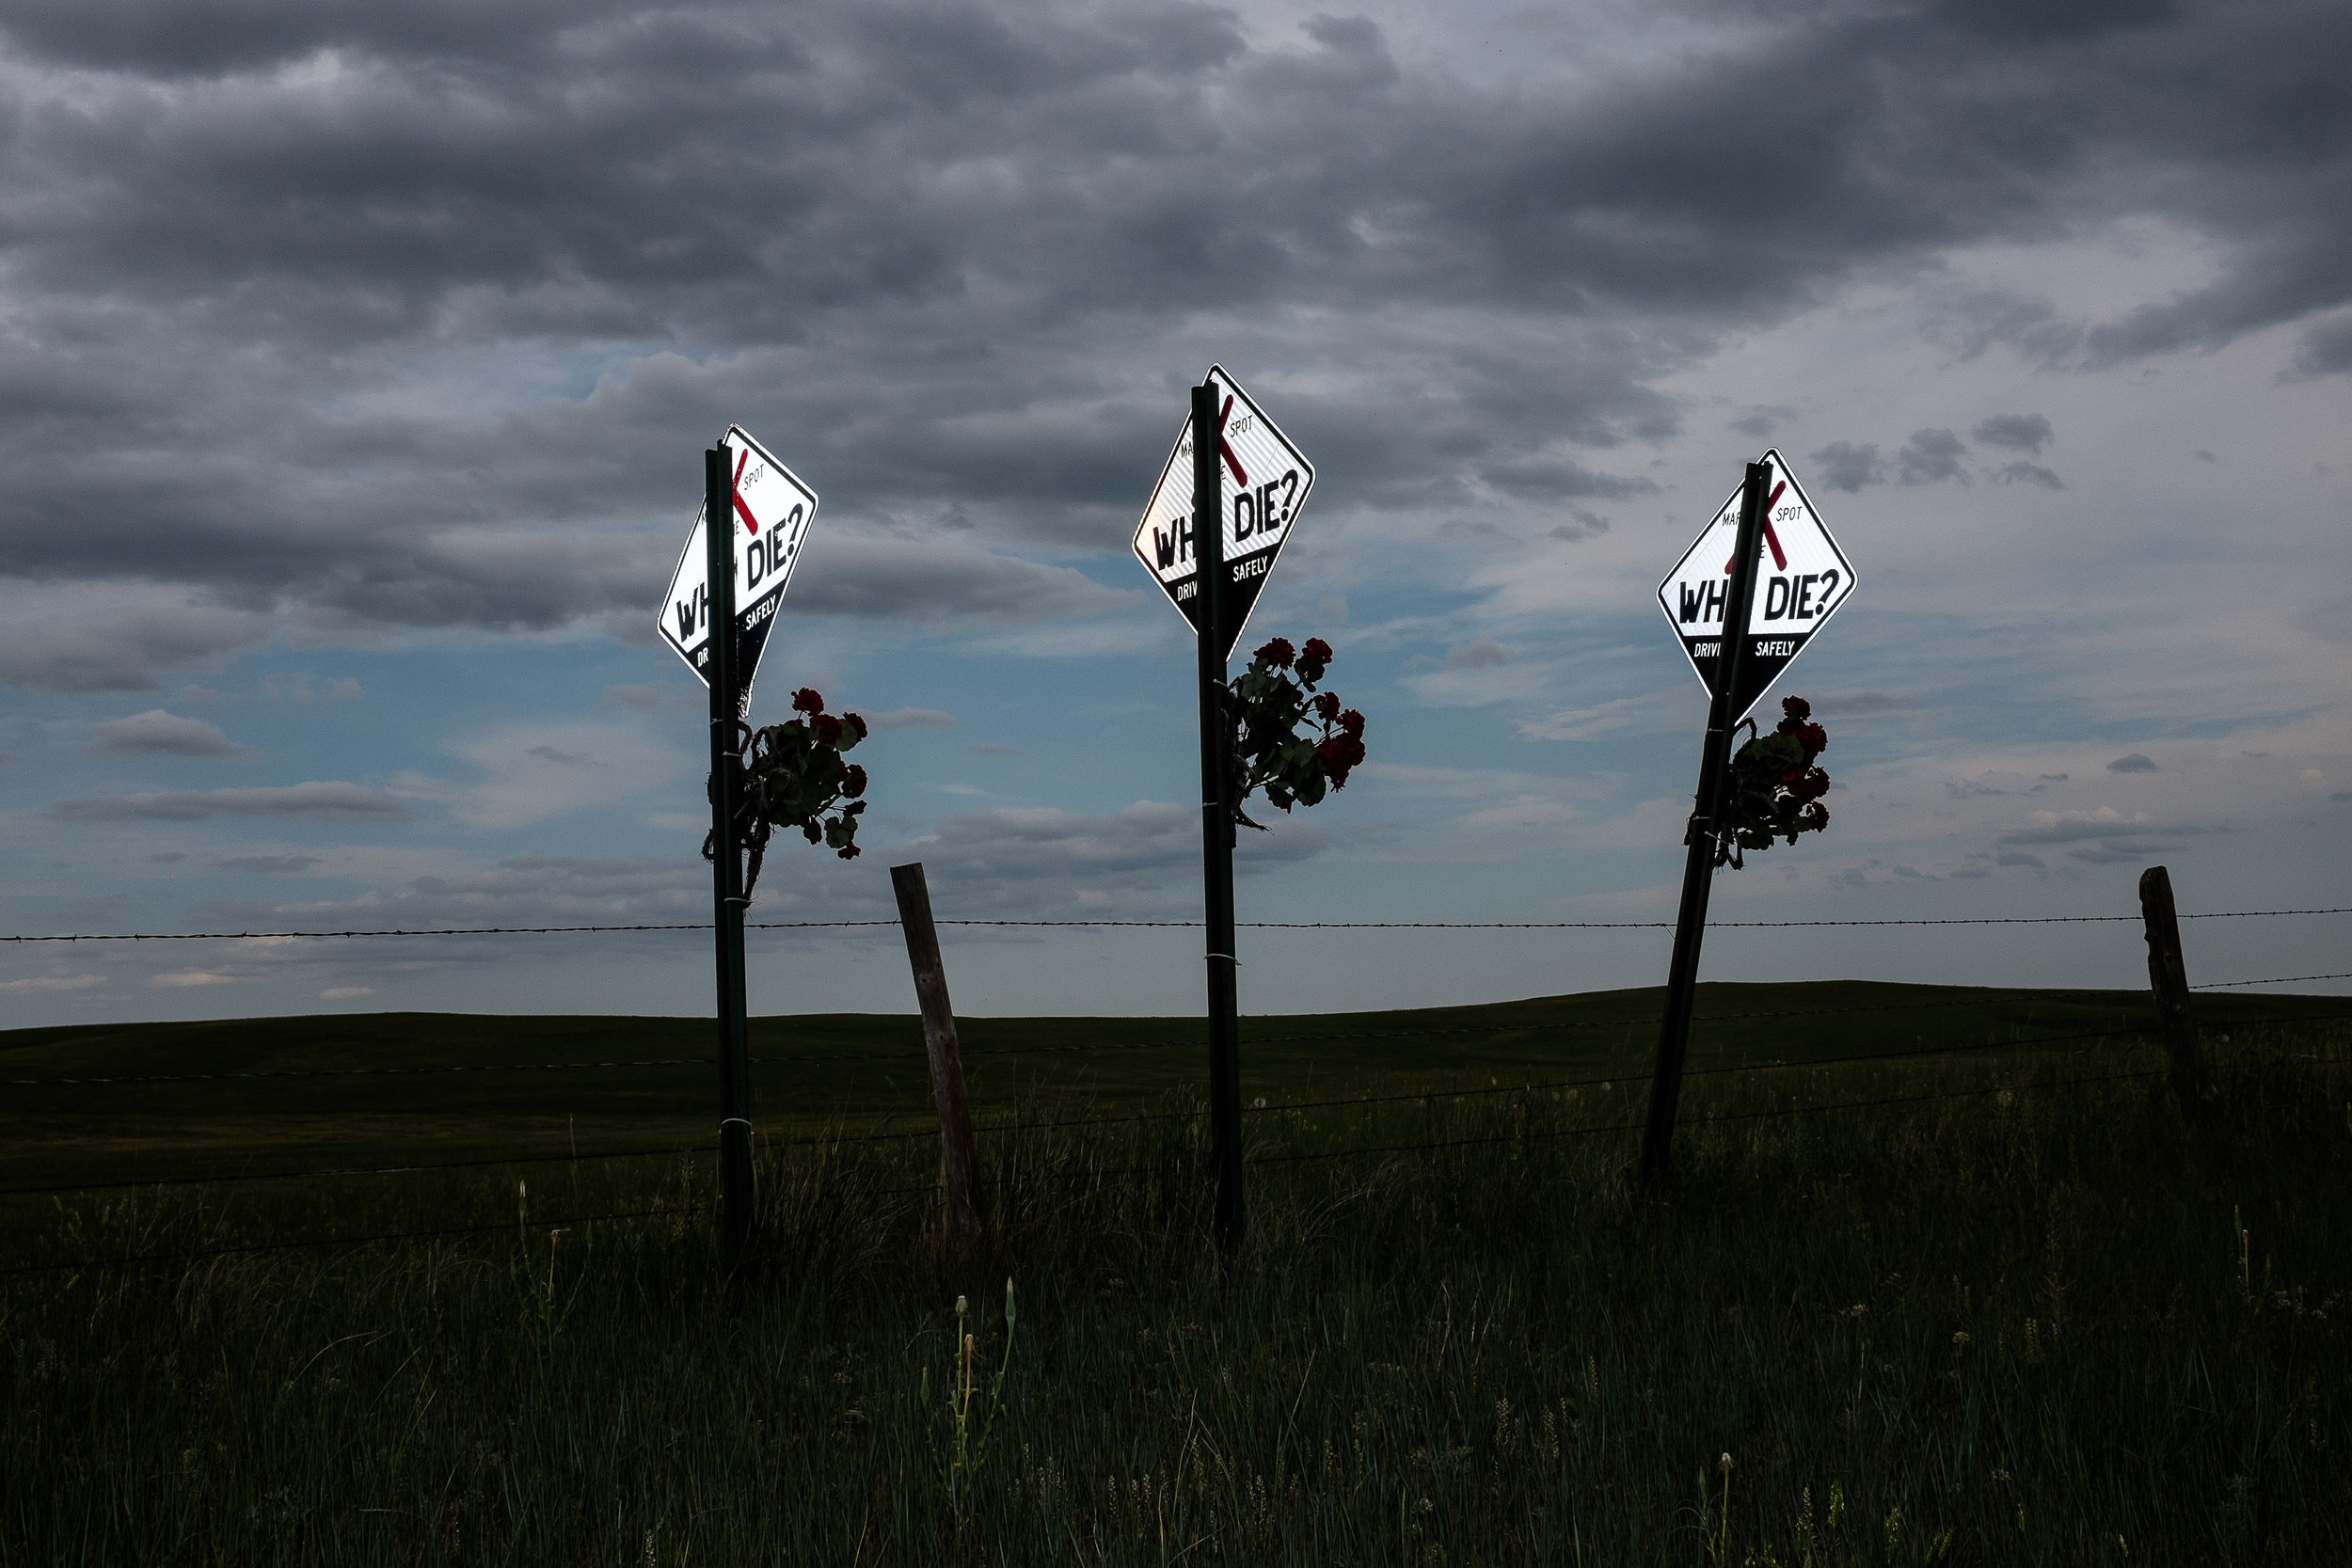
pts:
[1217, 817]
[1698, 869]
[726, 872]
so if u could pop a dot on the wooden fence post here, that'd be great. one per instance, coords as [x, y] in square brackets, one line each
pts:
[958, 1156]
[2167, 977]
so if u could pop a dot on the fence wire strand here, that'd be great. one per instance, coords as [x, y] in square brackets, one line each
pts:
[1143, 925]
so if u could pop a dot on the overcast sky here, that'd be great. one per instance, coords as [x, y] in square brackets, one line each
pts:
[356, 361]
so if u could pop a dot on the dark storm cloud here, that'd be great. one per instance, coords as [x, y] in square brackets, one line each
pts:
[1849, 465]
[2326, 349]
[1930, 456]
[329, 799]
[2026, 433]
[268, 866]
[891, 580]
[414, 316]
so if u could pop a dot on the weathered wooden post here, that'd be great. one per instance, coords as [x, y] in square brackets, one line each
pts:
[2168, 979]
[959, 1155]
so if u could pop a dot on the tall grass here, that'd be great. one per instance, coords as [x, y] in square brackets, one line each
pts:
[2030, 1325]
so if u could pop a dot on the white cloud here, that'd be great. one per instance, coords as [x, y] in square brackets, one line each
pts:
[40, 983]
[182, 977]
[532, 770]
[1524, 810]
[913, 719]
[156, 733]
[1584, 723]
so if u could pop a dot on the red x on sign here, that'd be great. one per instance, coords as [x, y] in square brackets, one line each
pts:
[775, 509]
[1224, 451]
[750, 524]
[1262, 480]
[1780, 557]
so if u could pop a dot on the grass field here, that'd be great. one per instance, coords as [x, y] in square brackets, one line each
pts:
[1990, 1303]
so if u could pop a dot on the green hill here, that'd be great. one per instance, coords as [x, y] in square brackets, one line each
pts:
[240, 1096]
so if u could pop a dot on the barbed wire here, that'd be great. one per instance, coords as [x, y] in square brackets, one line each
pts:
[1140, 925]
[2274, 980]
[439, 932]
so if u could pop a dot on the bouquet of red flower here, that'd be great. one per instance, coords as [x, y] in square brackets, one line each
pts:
[1268, 702]
[1775, 788]
[793, 777]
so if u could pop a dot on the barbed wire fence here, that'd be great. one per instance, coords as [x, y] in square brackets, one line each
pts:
[836, 1139]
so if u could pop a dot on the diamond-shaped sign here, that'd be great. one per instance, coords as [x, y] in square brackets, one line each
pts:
[772, 511]
[1802, 578]
[1265, 484]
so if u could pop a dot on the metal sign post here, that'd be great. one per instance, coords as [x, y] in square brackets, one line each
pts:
[756, 517]
[1216, 817]
[1213, 578]
[1698, 871]
[726, 870]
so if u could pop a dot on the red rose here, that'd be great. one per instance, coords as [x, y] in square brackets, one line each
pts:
[1317, 651]
[1278, 651]
[855, 722]
[806, 701]
[1796, 707]
[1815, 737]
[849, 851]
[1327, 706]
[1353, 723]
[853, 781]
[828, 728]
[1341, 752]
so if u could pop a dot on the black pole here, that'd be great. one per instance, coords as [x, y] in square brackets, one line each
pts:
[1216, 817]
[726, 871]
[1698, 869]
